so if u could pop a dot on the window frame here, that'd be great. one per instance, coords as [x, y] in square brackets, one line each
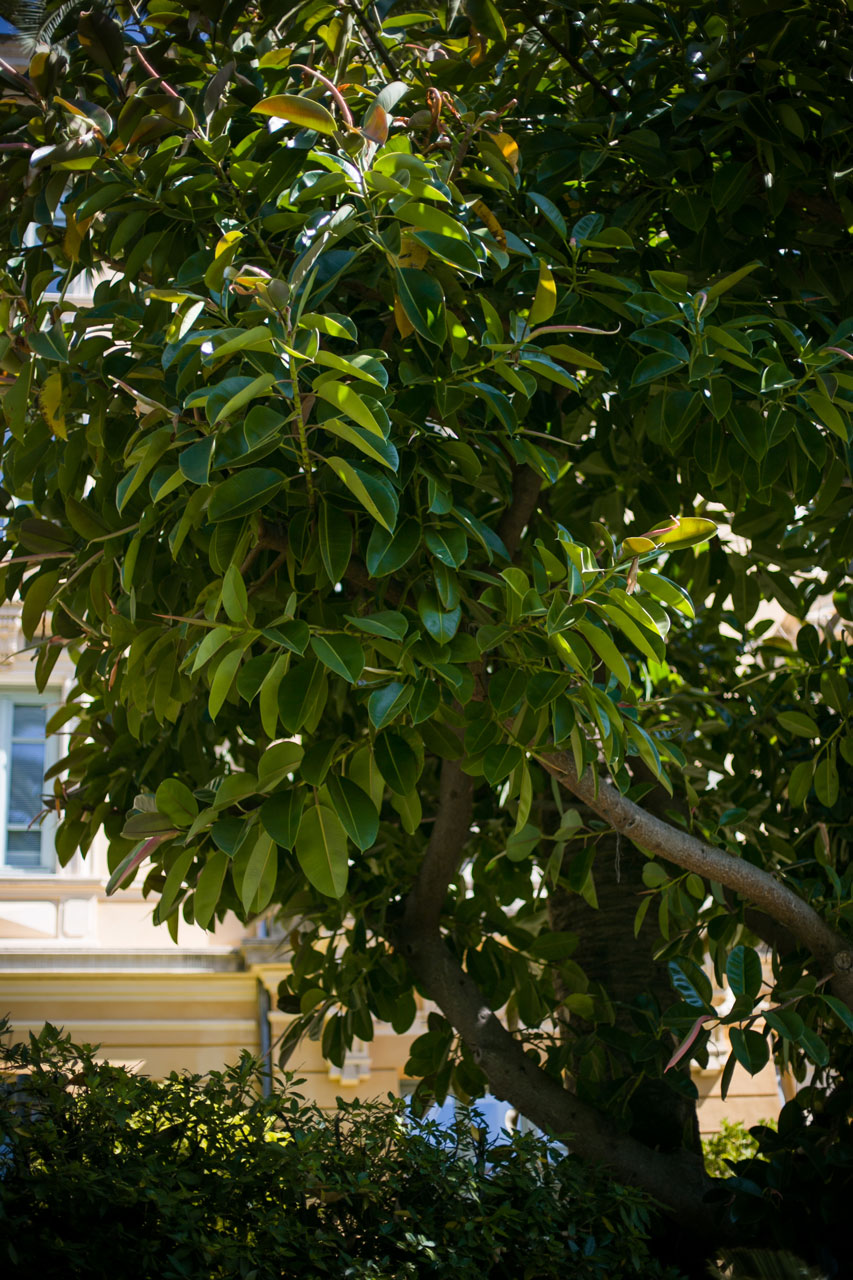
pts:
[9, 698]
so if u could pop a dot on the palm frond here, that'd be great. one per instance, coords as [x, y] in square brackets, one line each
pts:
[38, 21]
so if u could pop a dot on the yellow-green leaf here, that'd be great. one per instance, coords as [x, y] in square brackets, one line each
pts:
[688, 531]
[300, 110]
[350, 403]
[508, 148]
[50, 403]
[545, 302]
[573, 355]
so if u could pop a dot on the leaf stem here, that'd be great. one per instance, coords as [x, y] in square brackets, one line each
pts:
[300, 431]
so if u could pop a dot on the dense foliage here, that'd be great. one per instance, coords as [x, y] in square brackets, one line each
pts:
[372, 497]
[106, 1173]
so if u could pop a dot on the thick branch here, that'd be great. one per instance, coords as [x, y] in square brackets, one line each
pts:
[443, 853]
[526, 485]
[677, 1180]
[759, 887]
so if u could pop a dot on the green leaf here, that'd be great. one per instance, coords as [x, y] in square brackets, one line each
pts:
[522, 843]
[385, 704]
[422, 300]
[799, 723]
[670, 592]
[277, 762]
[299, 110]
[654, 366]
[243, 493]
[372, 446]
[743, 970]
[397, 762]
[39, 593]
[348, 401]
[826, 783]
[355, 810]
[828, 414]
[208, 888]
[452, 250]
[690, 982]
[500, 760]
[654, 875]
[175, 877]
[553, 947]
[293, 635]
[194, 461]
[550, 212]
[374, 493]
[750, 1048]
[839, 1008]
[281, 815]
[177, 802]
[235, 600]
[418, 214]
[335, 536]
[671, 284]
[223, 678]
[388, 551]
[256, 338]
[448, 544]
[425, 700]
[299, 691]
[729, 281]
[814, 1047]
[50, 344]
[800, 783]
[321, 847]
[441, 624]
[602, 643]
[388, 623]
[341, 654]
[256, 387]
[253, 868]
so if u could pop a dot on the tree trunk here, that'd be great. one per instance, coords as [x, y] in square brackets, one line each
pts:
[661, 1115]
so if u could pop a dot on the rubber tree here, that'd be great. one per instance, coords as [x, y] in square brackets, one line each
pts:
[463, 395]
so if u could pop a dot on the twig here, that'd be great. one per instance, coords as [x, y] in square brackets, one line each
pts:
[575, 63]
[268, 573]
[369, 30]
[155, 75]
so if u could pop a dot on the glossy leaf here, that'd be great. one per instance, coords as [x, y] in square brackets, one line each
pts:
[299, 110]
[321, 847]
[355, 809]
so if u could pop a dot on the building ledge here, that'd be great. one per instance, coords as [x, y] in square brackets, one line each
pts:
[15, 887]
[86, 960]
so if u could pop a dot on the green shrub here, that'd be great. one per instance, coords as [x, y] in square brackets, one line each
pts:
[734, 1142]
[104, 1173]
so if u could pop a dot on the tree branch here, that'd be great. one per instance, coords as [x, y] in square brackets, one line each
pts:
[677, 1180]
[526, 486]
[443, 854]
[575, 63]
[373, 37]
[761, 888]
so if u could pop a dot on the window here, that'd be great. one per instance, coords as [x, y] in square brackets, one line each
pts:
[25, 754]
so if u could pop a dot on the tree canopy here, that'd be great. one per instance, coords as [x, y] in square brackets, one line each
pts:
[465, 390]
